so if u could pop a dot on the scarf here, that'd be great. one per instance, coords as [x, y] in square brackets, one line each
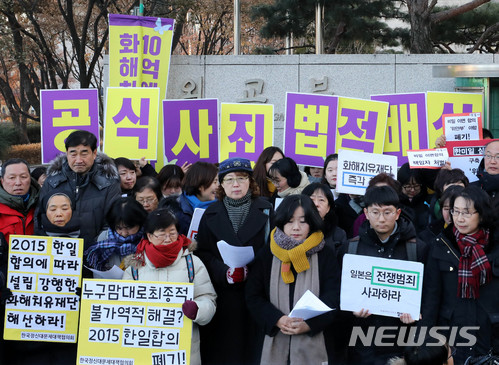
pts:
[71, 229]
[238, 209]
[292, 252]
[161, 255]
[196, 203]
[474, 266]
[98, 254]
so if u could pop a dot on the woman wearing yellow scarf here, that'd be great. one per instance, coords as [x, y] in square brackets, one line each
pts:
[297, 260]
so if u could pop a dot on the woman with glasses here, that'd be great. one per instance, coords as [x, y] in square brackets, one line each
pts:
[243, 219]
[165, 255]
[148, 193]
[461, 283]
[414, 196]
[125, 218]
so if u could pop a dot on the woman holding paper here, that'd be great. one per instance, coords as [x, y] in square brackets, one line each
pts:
[461, 279]
[296, 261]
[243, 219]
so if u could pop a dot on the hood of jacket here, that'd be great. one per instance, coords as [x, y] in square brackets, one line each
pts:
[17, 203]
[102, 172]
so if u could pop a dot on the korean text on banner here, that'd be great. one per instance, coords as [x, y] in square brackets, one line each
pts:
[356, 169]
[139, 56]
[407, 127]
[310, 127]
[462, 127]
[64, 111]
[245, 130]
[428, 159]
[43, 275]
[383, 286]
[131, 123]
[440, 103]
[134, 323]
[467, 155]
[192, 127]
[361, 125]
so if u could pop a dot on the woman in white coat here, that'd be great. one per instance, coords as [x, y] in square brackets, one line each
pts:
[166, 256]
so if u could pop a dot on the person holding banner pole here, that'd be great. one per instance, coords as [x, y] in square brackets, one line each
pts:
[386, 234]
[297, 260]
[241, 218]
[461, 278]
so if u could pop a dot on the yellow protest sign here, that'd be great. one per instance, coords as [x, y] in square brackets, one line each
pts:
[440, 103]
[43, 275]
[131, 123]
[361, 125]
[140, 50]
[245, 130]
[132, 322]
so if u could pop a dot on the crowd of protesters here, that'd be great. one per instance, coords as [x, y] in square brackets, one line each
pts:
[131, 217]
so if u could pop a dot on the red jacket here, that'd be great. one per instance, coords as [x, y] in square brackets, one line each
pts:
[14, 222]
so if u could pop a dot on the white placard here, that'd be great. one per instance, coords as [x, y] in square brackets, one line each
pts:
[383, 286]
[235, 256]
[309, 306]
[194, 227]
[427, 159]
[462, 127]
[356, 169]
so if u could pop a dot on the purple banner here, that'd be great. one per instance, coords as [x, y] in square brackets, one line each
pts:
[191, 130]
[62, 112]
[310, 128]
[142, 21]
[406, 127]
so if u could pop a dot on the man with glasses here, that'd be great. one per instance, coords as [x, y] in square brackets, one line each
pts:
[386, 233]
[488, 172]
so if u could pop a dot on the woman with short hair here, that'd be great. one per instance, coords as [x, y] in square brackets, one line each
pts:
[287, 178]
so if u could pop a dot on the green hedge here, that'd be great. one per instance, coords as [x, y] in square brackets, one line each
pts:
[9, 136]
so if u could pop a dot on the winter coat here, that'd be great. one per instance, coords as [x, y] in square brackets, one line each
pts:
[204, 293]
[92, 193]
[267, 315]
[442, 307]
[345, 213]
[418, 209]
[395, 248]
[16, 217]
[489, 183]
[229, 338]
[182, 209]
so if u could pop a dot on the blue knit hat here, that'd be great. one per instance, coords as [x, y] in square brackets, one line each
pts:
[234, 164]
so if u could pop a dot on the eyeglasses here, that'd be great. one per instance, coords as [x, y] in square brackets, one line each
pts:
[232, 180]
[492, 157]
[147, 200]
[163, 236]
[411, 187]
[456, 213]
[376, 214]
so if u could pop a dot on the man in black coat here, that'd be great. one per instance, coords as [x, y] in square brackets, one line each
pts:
[488, 173]
[386, 233]
[89, 178]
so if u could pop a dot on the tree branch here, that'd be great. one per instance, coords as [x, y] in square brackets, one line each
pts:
[450, 13]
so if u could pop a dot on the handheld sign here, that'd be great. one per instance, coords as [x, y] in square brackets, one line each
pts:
[467, 155]
[194, 227]
[43, 275]
[463, 126]
[383, 286]
[427, 159]
[356, 169]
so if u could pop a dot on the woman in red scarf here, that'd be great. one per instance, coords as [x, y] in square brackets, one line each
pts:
[164, 256]
[461, 287]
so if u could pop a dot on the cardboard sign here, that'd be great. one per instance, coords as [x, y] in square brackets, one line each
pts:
[356, 169]
[134, 322]
[463, 126]
[428, 159]
[43, 275]
[383, 286]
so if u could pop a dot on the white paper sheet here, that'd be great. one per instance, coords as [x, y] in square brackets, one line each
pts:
[235, 256]
[115, 273]
[309, 306]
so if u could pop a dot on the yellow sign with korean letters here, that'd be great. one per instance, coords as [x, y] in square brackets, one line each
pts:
[131, 123]
[361, 125]
[245, 130]
[131, 322]
[43, 275]
[441, 103]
